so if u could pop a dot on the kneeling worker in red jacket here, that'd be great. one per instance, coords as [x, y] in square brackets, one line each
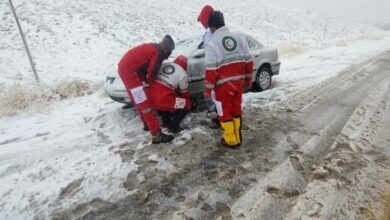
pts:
[169, 93]
[138, 67]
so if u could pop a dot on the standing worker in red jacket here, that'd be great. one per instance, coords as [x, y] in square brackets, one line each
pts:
[139, 67]
[169, 93]
[229, 67]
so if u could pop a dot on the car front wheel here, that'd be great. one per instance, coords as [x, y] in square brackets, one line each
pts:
[263, 79]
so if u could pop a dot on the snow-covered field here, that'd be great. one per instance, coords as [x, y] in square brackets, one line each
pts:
[82, 39]
[71, 151]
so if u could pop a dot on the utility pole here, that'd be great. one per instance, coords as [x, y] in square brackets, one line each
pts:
[267, 33]
[326, 27]
[25, 43]
[266, 25]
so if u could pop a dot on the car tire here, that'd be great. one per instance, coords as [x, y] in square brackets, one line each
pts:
[263, 79]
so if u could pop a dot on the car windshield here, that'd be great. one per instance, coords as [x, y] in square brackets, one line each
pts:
[185, 47]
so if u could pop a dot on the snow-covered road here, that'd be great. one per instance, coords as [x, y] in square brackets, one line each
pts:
[336, 168]
[87, 148]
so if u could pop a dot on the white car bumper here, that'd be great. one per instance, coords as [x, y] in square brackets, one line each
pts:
[114, 87]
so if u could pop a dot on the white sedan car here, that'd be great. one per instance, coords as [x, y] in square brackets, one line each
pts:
[266, 65]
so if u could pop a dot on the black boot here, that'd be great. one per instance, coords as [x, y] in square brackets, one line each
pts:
[177, 117]
[161, 138]
[215, 124]
[165, 119]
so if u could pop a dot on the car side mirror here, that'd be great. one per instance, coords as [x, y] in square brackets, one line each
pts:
[199, 54]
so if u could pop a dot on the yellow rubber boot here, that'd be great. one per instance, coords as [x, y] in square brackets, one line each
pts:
[228, 133]
[237, 129]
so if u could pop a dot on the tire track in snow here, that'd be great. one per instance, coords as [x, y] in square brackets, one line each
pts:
[355, 168]
[331, 110]
[302, 101]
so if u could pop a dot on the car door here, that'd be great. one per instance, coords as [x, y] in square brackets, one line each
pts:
[196, 70]
[254, 49]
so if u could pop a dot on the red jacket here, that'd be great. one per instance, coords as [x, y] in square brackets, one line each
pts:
[145, 60]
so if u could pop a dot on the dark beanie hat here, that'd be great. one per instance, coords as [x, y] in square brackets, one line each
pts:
[216, 19]
[168, 42]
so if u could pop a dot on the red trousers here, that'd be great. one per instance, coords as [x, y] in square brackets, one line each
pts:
[228, 98]
[165, 98]
[139, 99]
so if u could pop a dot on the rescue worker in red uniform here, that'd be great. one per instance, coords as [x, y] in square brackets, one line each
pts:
[169, 93]
[203, 18]
[229, 67]
[139, 67]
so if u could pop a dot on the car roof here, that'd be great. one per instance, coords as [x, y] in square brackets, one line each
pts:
[189, 45]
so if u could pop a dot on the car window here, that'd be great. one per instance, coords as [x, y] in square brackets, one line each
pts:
[186, 47]
[201, 53]
[201, 45]
[252, 44]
